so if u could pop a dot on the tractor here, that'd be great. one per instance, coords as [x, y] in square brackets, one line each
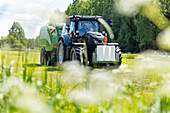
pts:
[81, 39]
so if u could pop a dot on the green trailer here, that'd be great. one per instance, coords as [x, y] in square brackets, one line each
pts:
[49, 36]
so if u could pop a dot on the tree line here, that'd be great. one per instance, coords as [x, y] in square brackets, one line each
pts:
[16, 38]
[134, 34]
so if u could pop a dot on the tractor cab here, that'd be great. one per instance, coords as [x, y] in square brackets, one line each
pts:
[78, 26]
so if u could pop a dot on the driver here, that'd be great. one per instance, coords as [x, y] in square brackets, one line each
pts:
[83, 27]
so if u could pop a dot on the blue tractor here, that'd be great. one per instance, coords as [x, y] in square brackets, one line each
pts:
[81, 39]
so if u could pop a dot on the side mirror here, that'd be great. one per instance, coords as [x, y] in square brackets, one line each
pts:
[110, 22]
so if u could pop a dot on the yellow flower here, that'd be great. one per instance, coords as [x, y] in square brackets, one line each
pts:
[69, 102]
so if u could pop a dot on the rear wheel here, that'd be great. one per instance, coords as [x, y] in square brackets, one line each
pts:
[48, 60]
[120, 56]
[45, 57]
[60, 53]
[77, 53]
[120, 59]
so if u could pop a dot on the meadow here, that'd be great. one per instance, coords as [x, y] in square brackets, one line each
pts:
[139, 85]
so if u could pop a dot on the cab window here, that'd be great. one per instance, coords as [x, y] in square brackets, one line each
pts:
[72, 27]
[86, 26]
[64, 29]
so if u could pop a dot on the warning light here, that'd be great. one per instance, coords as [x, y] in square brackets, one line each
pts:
[105, 40]
[71, 35]
[66, 16]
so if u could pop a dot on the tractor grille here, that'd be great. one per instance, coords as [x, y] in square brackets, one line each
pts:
[105, 53]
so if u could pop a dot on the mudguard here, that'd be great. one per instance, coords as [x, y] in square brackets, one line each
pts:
[66, 39]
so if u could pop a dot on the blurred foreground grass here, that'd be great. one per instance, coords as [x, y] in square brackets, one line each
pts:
[26, 86]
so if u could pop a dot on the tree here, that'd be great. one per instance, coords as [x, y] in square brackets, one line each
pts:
[4, 41]
[16, 37]
[17, 31]
[146, 33]
[127, 35]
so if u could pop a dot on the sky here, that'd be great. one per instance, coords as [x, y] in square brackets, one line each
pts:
[31, 14]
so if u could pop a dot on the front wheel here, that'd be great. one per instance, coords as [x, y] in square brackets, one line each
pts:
[118, 51]
[120, 59]
[77, 53]
[60, 53]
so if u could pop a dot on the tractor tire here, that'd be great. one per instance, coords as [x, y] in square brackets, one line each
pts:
[60, 53]
[120, 59]
[48, 60]
[77, 53]
[120, 56]
[43, 57]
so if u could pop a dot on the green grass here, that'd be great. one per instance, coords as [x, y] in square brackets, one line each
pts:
[129, 56]
[26, 86]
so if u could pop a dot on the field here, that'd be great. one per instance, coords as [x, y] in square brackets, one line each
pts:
[139, 85]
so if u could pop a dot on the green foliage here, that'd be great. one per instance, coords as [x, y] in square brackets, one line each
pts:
[146, 33]
[134, 34]
[33, 43]
[16, 37]
[165, 6]
[3, 41]
[126, 36]
[18, 32]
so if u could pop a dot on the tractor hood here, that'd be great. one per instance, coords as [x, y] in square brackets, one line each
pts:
[96, 36]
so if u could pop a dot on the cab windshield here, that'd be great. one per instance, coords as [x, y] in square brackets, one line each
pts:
[87, 26]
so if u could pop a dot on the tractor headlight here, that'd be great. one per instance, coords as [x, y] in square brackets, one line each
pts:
[95, 41]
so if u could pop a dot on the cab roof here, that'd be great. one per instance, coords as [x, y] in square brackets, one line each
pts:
[85, 17]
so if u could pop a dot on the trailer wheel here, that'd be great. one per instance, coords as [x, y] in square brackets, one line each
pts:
[43, 58]
[77, 53]
[48, 60]
[60, 53]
